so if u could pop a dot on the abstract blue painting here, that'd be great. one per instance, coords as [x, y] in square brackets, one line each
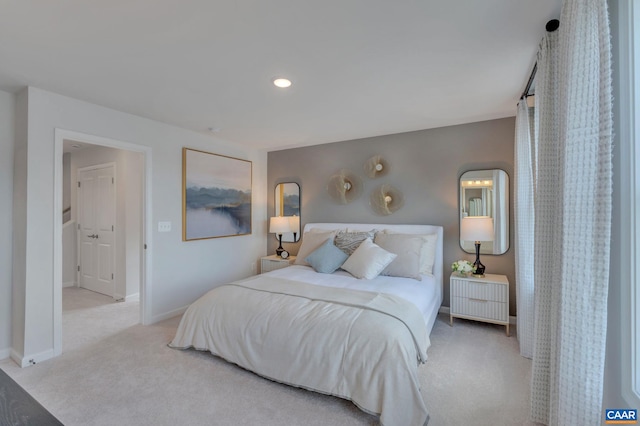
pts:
[216, 195]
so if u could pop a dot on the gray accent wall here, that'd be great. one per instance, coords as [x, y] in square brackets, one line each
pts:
[425, 165]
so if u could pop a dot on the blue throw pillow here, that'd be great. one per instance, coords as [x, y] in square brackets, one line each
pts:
[327, 258]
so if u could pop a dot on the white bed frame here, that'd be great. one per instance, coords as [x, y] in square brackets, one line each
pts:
[404, 229]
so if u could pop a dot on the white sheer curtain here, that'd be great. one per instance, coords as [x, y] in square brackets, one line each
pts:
[572, 216]
[548, 204]
[524, 222]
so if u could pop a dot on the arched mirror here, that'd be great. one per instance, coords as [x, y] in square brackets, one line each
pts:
[287, 203]
[485, 193]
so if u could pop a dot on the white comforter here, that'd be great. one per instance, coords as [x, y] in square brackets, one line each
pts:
[362, 346]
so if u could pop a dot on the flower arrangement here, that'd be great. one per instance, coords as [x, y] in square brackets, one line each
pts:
[462, 267]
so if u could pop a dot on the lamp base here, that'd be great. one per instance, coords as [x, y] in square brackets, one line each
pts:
[478, 267]
[279, 250]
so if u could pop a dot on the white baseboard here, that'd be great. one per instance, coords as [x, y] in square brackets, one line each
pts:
[5, 353]
[69, 284]
[446, 310]
[29, 360]
[131, 298]
[167, 315]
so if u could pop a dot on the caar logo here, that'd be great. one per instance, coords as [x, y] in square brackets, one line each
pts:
[621, 417]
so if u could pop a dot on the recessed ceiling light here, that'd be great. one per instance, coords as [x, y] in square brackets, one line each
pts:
[282, 82]
[214, 129]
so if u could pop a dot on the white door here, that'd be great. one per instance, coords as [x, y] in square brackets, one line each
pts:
[96, 220]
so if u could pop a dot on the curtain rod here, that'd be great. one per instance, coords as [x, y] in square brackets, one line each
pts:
[551, 26]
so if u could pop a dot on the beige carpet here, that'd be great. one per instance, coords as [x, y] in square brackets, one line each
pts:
[113, 371]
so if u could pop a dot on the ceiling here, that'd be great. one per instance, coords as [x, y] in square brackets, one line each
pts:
[359, 68]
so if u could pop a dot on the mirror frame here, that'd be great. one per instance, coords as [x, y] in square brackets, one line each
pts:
[281, 192]
[486, 197]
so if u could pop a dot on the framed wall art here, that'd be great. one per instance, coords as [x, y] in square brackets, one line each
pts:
[216, 195]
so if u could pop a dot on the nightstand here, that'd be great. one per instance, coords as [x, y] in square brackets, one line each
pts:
[273, 262]
[480, 299]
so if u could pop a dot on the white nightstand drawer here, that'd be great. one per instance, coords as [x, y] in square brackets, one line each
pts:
[479, 308]
[479, 290]
[480, 299]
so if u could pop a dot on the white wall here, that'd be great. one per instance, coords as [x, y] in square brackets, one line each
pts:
[180, 271]
[19, 269]
[612, 396]
[618, 365]
[7, 116]
[69, 254]
[69, 242]
[66, 184]
[134, 166]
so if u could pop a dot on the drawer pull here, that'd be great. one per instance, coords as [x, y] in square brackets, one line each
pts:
[478, 300]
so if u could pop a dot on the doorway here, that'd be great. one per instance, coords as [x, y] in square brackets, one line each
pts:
[128, 266]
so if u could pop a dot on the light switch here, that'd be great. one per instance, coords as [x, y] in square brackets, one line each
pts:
[164, 226]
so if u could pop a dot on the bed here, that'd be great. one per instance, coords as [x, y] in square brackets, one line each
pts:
[333, 333]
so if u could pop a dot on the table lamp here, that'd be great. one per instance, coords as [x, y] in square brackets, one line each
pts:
[279, 225]
[477, 228]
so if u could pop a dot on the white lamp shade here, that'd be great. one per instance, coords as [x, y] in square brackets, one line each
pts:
[279, 225]
[294, 223]
[476, 228]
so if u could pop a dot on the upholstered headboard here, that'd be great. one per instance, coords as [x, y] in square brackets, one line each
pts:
[404, 229]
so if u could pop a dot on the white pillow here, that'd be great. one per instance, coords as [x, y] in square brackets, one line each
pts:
[310, 242]
[427, 253]
[408, 248]
[368, 260]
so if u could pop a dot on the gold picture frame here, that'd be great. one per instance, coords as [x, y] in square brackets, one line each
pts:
[216, 195]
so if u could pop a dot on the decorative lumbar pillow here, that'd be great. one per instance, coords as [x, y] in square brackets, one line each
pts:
[326, 258]
[368, 260]
[407, 248]
[427, 253]
[310, 242]
[348, 242]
